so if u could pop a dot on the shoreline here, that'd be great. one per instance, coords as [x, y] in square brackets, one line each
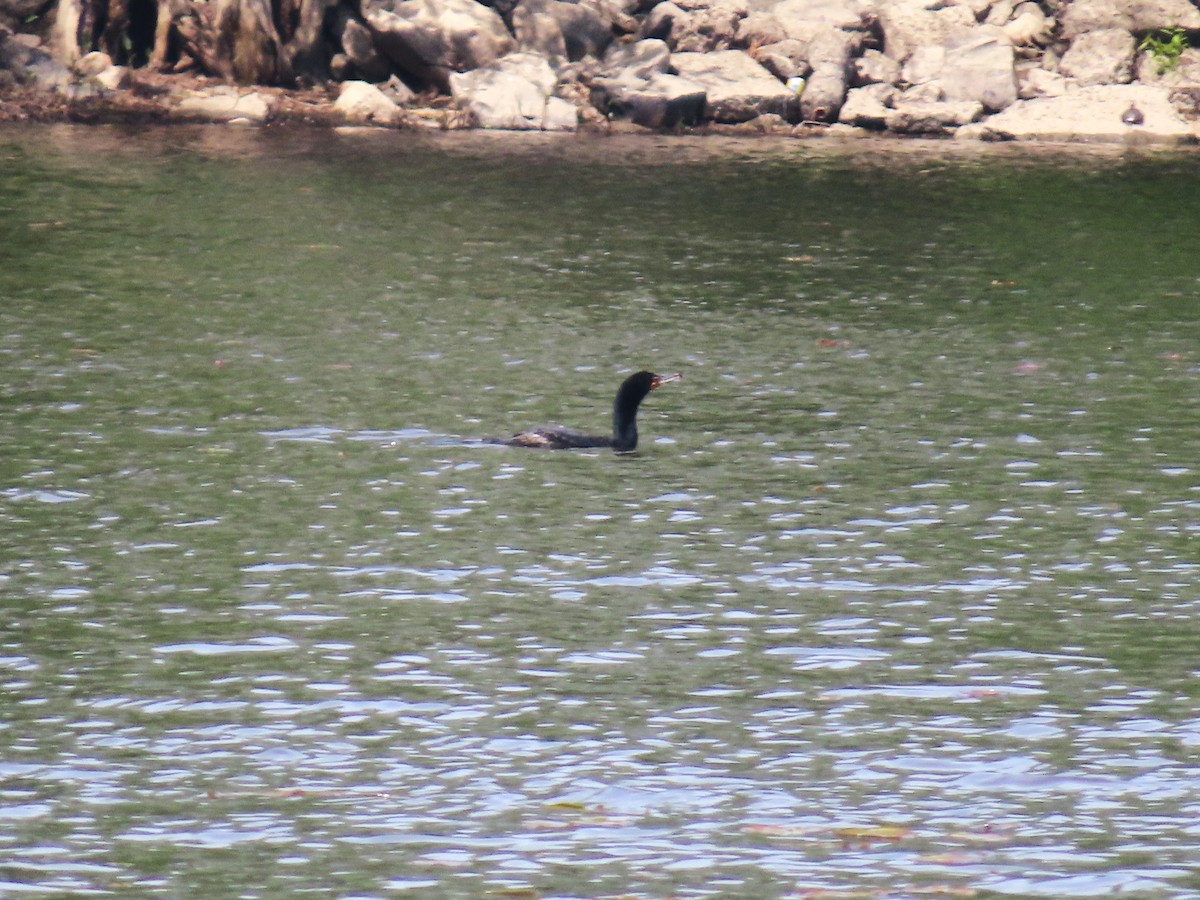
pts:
[284, 139]
[154, 99]
[971, 71]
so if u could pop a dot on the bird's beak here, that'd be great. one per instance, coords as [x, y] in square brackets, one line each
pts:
[660, 380]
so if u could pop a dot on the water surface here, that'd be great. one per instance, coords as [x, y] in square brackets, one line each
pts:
[898, 596]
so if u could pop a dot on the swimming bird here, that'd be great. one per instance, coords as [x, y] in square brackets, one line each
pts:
[624, 435]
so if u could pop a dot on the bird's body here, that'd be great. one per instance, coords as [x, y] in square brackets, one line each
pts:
[624, 436]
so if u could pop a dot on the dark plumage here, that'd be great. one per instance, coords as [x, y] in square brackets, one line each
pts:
[624, 437]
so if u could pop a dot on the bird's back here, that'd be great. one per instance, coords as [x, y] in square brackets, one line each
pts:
[553, 437]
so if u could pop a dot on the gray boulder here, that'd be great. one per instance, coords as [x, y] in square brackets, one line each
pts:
[637, 61]
[666, 22]
[661, 101]
[784, 59]
[562, 30]
[537, 30]
[358, 44]
[1037, 82]
[737, 87]
[920, 116]
[980, 67]
[706, 24]
[829, 56]
[1100, 57]
[1028, 26]
[874, 67]
[975, 65]
[14, 13]
[868, 107]
[430, 39]
[759, 29]
[22, 55]
[910, 24]
[515, 92]
[586, 30]
[847, 14]
[1081, 16]
[636, 84]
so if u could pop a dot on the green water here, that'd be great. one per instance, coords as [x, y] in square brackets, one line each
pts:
[899, 593]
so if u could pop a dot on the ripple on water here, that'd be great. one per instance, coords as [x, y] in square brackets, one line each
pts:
[264, 644]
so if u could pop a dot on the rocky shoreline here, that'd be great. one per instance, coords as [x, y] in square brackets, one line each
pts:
[1093, 70]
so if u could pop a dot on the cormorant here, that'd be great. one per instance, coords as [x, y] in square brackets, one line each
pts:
[624, 435]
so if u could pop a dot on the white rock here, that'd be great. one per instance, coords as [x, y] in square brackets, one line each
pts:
[909, 24]
[1081, 16]
[432, 38]
[362, 103]
[836, 13]
[924, 117]
[516, 93]
[738, 88]
[1037, 82]
[1092, 113]
[93, 63]
[224, 105]
[867, 106]
[874, 66]
[980, 66]
[1028, 26]
[113, 78]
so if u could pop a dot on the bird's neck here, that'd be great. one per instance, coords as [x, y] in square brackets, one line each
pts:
[625, 435]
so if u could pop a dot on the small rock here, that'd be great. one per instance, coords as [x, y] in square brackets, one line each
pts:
[784, 59]
[923, 117]
[1186, 102]
[114, 78]
[362, 103]
[397, 91]
[875, 67]
[867, 107]
[1029, 26]
[93, 63]
[1037, 82]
